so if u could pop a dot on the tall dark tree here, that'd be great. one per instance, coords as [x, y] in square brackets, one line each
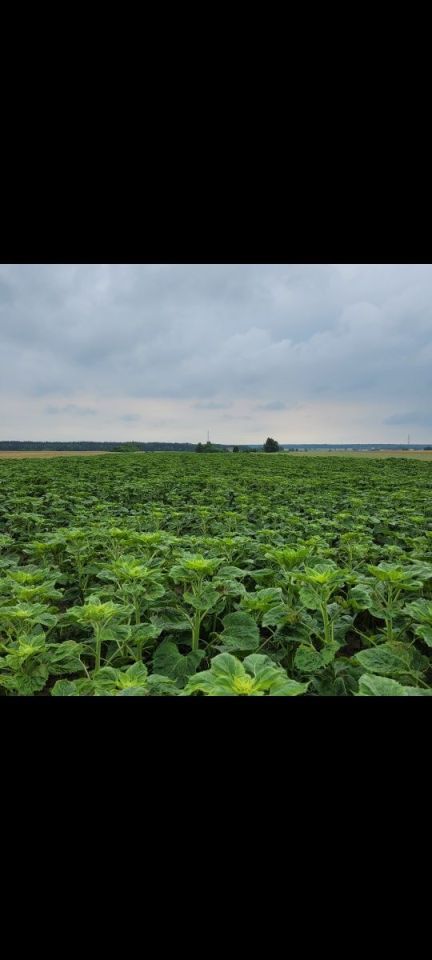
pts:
[271, 446]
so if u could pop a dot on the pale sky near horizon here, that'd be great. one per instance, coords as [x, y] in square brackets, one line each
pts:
[312, 353]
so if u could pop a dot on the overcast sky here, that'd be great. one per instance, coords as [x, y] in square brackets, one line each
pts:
[305, 353]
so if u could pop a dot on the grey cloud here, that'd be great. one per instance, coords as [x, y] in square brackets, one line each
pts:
[230, 416]
[70, 408]
[273, 405]
[266, 337]
[211, 405]
[414, 418]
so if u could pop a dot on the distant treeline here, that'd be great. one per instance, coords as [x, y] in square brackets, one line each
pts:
[89, 445]
[188, 447]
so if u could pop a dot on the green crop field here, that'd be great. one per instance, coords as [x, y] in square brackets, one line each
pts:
[225, 575]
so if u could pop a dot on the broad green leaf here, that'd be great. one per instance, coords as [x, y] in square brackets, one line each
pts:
[172, 620]
[262, 600]
[169, 662]
[309, 598]
[226, 666]
[240, 632]
[308, 660]
[288, 688]
[65, 688]
[420, 611]
[425, 633]
[395, 660]
[255, 677]
[204, 598]
[372, 686]
[25, 684]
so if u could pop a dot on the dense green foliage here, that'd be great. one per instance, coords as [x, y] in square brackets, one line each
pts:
[85, 445]
[179, 575]
[271, 446]
[126, 448]
[209, 448]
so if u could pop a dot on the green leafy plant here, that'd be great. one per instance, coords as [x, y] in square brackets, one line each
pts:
[200, 596]
[98, 616]
[322, 565]
[255, 677]
[372, 686]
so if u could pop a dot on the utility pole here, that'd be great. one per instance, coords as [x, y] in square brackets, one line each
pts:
[208, 436]
[408, 439]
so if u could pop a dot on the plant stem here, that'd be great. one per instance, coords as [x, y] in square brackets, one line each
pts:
[389, 619]
[137, 611]
[327, 625]
[98, 648]
[196, 632]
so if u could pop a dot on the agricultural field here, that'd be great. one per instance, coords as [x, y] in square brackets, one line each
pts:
[47, 454]
[375, 454]
[179, 575]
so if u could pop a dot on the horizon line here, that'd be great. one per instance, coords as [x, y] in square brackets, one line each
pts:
[282, 443]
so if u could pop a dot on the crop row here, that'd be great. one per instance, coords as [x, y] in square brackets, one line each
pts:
[175, 575]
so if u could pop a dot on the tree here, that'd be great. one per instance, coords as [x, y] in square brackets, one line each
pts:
[127, 448]
[271, 446]
[209, 448]
[236, 449]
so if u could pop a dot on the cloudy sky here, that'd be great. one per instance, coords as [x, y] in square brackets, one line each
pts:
[306, 353]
